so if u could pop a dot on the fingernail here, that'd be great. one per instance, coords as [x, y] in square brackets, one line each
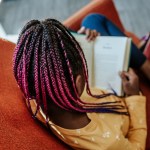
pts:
[120, 72]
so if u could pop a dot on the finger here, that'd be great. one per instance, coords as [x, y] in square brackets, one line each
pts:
[123, 77]
[131, 74]
[81, 30]
[95, 33]
[125, 81]
[92, 36]
[98, 34]
[87, 32]
[127, 74]
[131, 71]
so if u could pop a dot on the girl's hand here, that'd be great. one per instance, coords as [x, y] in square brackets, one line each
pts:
[130, 82]
[90, 34]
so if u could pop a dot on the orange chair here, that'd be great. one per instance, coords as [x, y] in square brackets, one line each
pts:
[17, 128]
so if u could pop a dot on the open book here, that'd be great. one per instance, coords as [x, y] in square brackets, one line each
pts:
[106, 57]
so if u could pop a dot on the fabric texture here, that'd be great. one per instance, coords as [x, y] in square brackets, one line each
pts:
[106, 131]
[18, 130]
[147, 50]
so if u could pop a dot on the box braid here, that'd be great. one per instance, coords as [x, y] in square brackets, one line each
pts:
[46, 61]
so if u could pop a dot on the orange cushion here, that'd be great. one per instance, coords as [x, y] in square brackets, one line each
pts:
[147, 50]
[18, 130]
[135, 39]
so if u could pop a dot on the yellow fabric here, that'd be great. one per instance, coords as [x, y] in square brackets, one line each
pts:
[106, 131]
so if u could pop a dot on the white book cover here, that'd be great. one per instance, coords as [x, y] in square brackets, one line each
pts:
[106, 57]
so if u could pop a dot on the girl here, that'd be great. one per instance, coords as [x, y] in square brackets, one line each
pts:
[50, 69]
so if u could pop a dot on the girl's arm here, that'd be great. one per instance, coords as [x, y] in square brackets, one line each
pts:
[136, 104]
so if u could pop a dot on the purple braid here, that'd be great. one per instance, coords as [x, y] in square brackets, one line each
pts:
[64, 90]
[36, 73]
[46, 62]
[55, 83]
[61, 77]
[85, 68]
[19, 49]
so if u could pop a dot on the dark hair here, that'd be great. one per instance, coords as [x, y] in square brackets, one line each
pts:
[47, 60]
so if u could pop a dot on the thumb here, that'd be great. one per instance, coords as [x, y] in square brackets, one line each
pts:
[123, 77]
[81, 30]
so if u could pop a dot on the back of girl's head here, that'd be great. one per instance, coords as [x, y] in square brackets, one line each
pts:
[46, 61]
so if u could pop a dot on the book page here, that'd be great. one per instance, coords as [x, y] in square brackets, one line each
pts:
[109, 54]
[87, 48]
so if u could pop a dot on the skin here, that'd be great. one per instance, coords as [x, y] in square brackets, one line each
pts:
[67, 119]
[130, 82]
[90, 34]
[76, 120]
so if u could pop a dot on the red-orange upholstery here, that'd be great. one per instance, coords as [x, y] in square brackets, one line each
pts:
[147, 50]
[18, 130]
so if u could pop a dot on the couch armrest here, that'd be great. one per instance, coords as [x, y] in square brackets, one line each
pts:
[135, 39]
[17, 128]
[105, 7]
[147, 50]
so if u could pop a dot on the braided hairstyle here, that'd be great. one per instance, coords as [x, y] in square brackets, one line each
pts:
[46, 61]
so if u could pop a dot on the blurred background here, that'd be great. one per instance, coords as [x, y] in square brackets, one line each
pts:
[134, 14]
